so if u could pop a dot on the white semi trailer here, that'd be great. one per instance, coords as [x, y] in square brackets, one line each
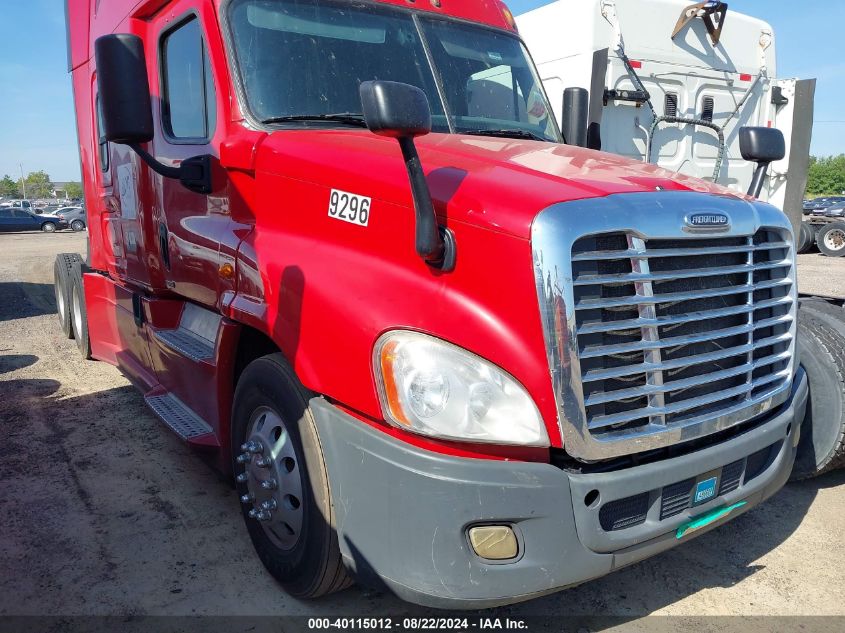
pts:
[672, 83]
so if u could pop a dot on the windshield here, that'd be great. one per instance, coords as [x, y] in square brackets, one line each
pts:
[307, 58]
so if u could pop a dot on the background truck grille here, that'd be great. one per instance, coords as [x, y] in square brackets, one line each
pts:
[672, 331]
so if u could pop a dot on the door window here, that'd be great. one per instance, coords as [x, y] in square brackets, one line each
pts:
[188, 106]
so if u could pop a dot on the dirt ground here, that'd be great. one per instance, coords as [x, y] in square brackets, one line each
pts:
[104, 511]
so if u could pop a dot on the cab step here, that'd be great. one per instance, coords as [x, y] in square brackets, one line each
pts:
[196, 335]
[178, 416]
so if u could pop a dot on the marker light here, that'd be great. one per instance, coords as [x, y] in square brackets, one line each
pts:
[506, 13]
[433, 388]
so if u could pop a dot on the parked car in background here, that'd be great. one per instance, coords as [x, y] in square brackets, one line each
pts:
[835, 210]
[73, 216]
[12, 219]
[818, 205]
[18, 204]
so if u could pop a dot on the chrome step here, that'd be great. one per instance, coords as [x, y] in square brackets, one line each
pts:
[176, 414]
[186, 343]
[196, 335]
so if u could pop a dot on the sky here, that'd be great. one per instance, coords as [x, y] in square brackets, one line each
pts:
[37, 129]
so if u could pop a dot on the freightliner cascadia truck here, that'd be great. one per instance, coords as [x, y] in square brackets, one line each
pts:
[440, 350]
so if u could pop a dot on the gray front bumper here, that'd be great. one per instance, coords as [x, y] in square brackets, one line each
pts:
[402, 512]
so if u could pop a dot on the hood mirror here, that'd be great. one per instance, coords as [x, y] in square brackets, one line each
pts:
[761, 145]
[401, 111]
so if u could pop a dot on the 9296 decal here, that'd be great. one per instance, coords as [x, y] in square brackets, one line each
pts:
[349, 207]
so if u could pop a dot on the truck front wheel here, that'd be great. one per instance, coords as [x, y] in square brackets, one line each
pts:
[282, 480]
[821, 342]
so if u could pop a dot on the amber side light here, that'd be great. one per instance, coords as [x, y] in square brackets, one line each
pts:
[391, 391]
[227, 271]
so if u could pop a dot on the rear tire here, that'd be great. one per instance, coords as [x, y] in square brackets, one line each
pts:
[821, 339]
[305, 559]
[79, 313]
[61, 283]
[77, 226]
[831, 239]
[806, 238]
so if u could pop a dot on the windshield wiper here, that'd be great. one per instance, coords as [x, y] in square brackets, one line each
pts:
[347, 118]
[506, 134]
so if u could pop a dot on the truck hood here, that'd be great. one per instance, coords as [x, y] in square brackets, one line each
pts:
[494, 183]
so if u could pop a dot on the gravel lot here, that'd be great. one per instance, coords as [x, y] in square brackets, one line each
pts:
[104, 511]
[821, 275]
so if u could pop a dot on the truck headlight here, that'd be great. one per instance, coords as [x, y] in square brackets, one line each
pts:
[433, 388]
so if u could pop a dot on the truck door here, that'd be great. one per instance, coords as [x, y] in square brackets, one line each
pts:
[188, 224]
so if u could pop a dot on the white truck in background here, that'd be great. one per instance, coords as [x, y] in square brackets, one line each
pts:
[672, 83]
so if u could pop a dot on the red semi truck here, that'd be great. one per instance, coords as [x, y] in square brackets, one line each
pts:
[343, 247]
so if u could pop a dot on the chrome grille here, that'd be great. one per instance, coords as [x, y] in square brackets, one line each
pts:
[669, 331]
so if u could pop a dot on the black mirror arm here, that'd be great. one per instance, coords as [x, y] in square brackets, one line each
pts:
[759, 178]
[427, 239]
[152, 163]
[194, 173]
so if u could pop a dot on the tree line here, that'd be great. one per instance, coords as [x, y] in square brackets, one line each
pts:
[37, 185]
[827, 176]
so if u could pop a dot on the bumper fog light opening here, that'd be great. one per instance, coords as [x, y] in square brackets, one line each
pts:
[494, 542]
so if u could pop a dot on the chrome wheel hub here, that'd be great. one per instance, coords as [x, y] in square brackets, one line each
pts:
[273, 478]
[835, 239]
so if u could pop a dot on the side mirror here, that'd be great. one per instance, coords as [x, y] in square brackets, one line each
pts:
[124, 93]
[761, 145]
[575, 115]
[124, 89]
[401, 111]
[394, 109]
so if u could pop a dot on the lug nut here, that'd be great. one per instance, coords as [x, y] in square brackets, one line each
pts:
[269, 484]
[264, 462]
[242, 478]
[243, 458]
[263, 515]
[253, 514]
[252, 447]
[269, 505]
[247, 498]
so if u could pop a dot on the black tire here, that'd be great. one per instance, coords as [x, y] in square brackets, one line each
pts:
[79, 313]
[61, 284]
[806, 238]
[48, 227]
[821, 341]
[312, 566]
[77, 226]
[831, 239]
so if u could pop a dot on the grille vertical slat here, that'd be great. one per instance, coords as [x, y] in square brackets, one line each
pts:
[669, 331]
[651, 336]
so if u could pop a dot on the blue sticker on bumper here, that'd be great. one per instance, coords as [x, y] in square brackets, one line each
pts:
[704, 491]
